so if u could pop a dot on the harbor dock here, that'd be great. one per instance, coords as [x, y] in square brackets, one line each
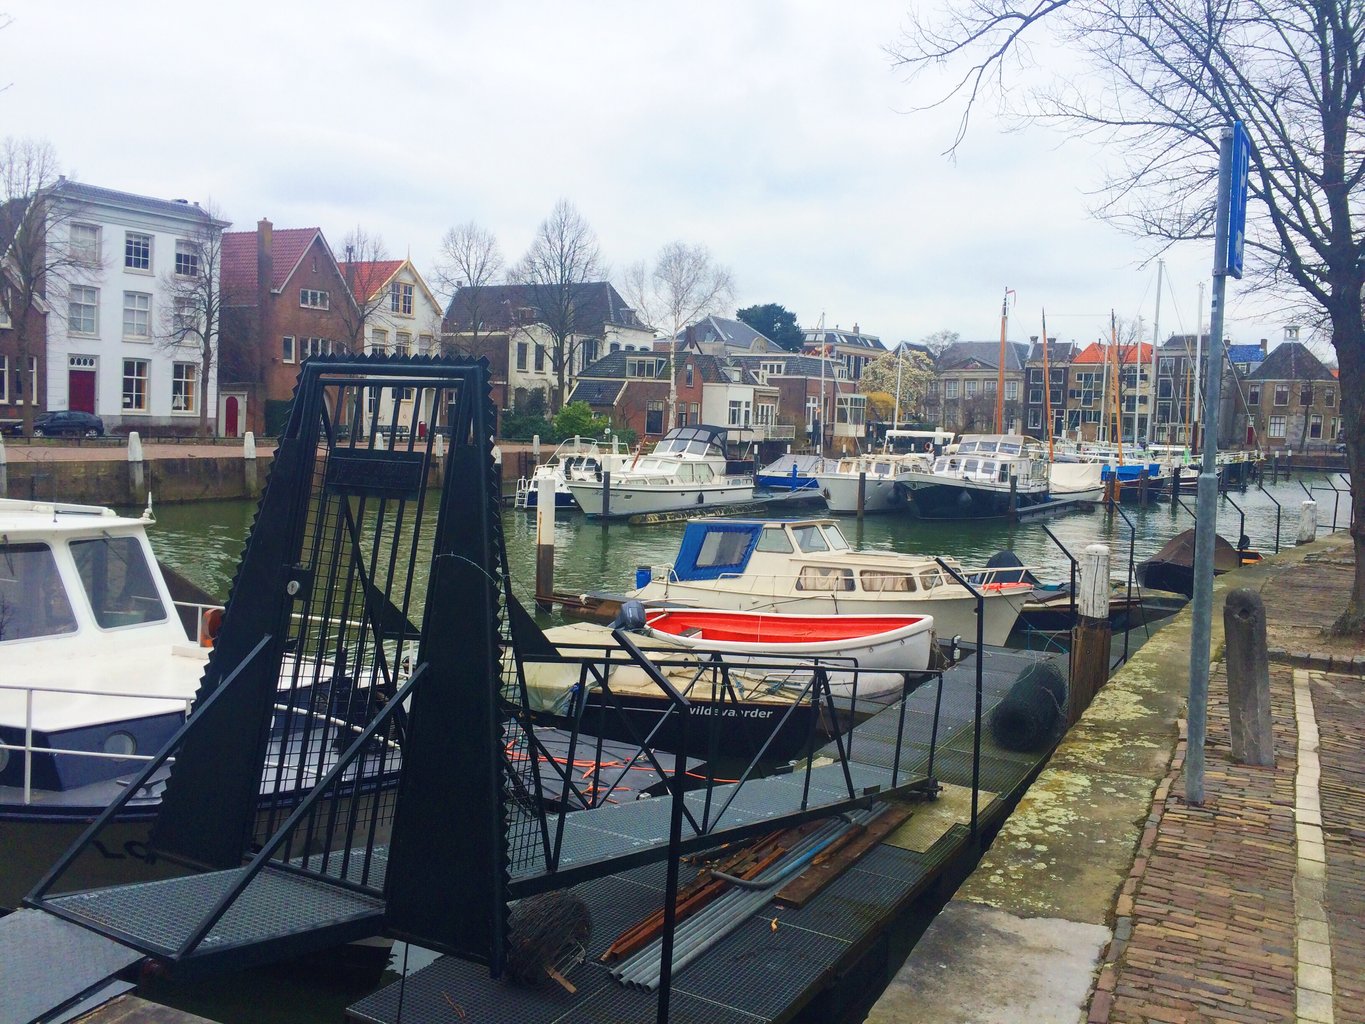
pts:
[1106, 897]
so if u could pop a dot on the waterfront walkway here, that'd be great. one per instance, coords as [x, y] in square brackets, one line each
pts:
[1107, 897]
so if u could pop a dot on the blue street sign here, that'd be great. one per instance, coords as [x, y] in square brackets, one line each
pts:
[1237, 199]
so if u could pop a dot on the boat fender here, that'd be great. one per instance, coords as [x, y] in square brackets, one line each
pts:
[1033, 709]
[631, 616]
[209, 624]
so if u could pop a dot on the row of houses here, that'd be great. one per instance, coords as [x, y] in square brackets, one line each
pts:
[1284, 397]
[130, 329]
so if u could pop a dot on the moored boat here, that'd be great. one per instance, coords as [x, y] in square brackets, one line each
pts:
[575, 459]
[807, 566]
[1172, 568]
[793, 473]
[878, 475]
[981, 478]
[687, 469]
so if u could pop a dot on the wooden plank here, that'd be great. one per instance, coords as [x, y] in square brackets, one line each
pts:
[834, 862]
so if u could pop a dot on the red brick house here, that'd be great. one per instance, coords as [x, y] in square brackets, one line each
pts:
[19, 384]
[284, 299]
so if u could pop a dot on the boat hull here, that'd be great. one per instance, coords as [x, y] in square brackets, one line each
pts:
[968, 500]
[631, 501]
[880, 494]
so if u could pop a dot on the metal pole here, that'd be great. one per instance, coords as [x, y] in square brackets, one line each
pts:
[1206, 522]
[1156, 342]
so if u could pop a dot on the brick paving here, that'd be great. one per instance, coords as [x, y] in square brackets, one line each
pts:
[1207, 926]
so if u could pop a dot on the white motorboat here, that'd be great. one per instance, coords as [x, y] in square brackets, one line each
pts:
[981, 478]
[575, 459]
[879, 474]
[687, 469]
[806, 566]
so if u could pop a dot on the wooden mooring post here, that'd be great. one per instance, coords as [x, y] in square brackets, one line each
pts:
[1142, 488]
[862, 491]
[1248, 668]
[1090, 636]
[545, 543]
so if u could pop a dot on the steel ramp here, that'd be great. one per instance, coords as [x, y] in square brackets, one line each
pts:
[604, 840]
[280, 914]
[48, 966]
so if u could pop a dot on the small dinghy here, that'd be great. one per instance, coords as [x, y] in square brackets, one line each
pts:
[878, 643]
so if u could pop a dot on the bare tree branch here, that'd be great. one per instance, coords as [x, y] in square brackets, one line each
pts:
[360, 249]
[469, 257]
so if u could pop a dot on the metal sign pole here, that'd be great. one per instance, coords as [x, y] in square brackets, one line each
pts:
[1227, 259]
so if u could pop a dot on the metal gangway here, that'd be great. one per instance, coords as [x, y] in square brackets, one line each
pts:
[351, 760]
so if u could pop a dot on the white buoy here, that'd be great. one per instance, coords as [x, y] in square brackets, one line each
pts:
[1308, 523]
[134, 447]
[249, 445]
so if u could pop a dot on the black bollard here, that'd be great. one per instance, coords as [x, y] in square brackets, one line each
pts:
[862, 492]
[606, 496]
[1248, 669]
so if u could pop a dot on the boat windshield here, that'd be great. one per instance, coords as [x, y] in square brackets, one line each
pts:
[774, 538]
[809, 538]
[33, 601]
[835, 537]
[117, 581]
[985, 446]
[1010, 447]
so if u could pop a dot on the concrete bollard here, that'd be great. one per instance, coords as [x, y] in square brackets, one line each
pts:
[134, 447]
[1090, 636]
[545, 543]
[1248, 668]
[249, 445]
[380, 444]
[535, 447]
[1308, 523]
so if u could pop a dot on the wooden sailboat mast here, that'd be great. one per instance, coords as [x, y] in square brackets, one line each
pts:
[1000, 382]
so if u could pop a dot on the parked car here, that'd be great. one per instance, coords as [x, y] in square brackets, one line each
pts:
[14, 428]
[68, 422]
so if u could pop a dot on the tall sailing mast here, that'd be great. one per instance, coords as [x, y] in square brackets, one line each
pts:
[1156, 340]
[1000, 382]
[1118, 357]
[1047, 390]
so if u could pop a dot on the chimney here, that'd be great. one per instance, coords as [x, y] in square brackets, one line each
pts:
[855, 328]
[1264, 345]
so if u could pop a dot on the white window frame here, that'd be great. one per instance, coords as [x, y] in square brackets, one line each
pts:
[1011, 391]
[402, 342]
[314, 298]
[186, 258]
[379, 341]
[135, 303]
[288, 353]
[133, 261]
[144, 377]
[1274, 424]
[185, 389]
[400, 298]
[78, 292]
[85, 250]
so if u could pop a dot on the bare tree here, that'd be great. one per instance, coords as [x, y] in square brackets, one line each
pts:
[1163, 79]
[38, 256]
[469, 257]
[563, 256]
[361, 249]
[682, 286]
[193, 319]
[940, 341]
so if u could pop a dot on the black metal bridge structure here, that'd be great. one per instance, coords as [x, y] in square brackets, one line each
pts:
[363, 757]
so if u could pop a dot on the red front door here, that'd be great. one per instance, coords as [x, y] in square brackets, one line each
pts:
[80, 390]
[230, 410]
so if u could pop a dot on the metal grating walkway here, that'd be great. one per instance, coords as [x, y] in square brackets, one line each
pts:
[278, 911]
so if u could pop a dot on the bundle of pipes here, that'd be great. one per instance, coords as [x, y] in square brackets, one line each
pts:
[707, 927]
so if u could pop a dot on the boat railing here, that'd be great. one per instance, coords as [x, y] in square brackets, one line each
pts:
[28, 748]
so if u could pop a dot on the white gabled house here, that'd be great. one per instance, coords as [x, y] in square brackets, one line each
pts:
[106, 349]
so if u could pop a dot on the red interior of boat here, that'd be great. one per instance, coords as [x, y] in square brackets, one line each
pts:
[779, 629]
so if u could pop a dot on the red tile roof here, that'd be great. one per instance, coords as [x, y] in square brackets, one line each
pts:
[287, 246]
[1094, 353]
[370, 276]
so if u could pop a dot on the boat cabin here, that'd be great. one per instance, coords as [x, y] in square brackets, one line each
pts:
[991, 458]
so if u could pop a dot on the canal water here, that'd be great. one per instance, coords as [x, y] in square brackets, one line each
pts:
[204, 541]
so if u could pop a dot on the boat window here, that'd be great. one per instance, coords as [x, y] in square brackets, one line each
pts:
[774, 539]
[827, 578]
[965, 447]
[33, 601]
[117, 581]
[875, 581]
[683, 473]
[988, 467]
[809, 538]
[931, 578]
[882, 469]
[1010, 447]
[722, 547]
[970, 466]
[703, 473]
[835, 538]
[1004, 474]
[985, 446]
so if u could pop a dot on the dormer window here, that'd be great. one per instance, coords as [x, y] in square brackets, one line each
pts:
[643, 366]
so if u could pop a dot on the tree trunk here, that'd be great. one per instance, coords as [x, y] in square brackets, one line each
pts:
[1348, 338]
[205, 367]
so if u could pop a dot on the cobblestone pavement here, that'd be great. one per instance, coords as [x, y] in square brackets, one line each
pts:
[1251, 908]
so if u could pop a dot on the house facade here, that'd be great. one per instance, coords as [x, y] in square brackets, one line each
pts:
[1293, 402]
[966, 398]
[1045, 387]
[817, 403]
[594, 320]
[109, 352]
[1109, 392]
[284, 299]
[853, 349]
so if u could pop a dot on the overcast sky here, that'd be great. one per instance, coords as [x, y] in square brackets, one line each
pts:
[775, 133]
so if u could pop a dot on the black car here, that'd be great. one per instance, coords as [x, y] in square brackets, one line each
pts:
[68, 423]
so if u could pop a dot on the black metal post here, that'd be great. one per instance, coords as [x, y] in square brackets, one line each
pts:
[980, 654]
